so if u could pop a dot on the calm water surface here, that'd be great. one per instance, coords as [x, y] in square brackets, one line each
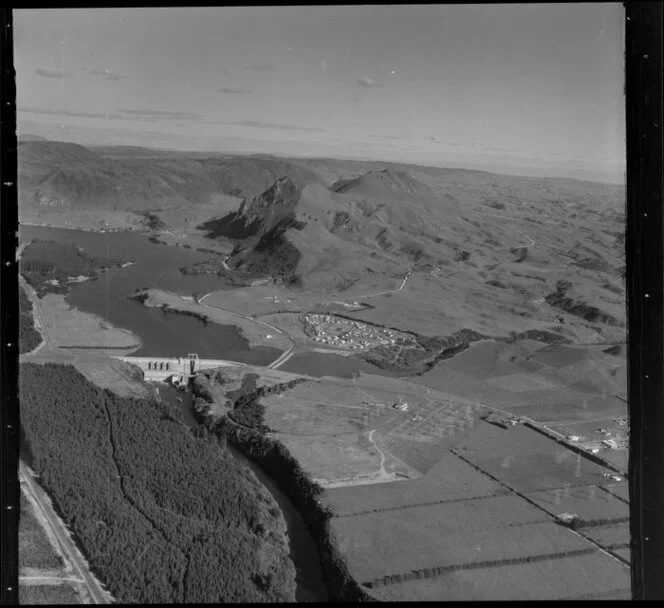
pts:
[158, 266]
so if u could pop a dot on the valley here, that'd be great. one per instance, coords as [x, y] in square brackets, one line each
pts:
[378, 314]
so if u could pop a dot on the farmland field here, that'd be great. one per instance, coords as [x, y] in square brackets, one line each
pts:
[341, 458]
[449, 534]
[303, 417]
[594, 576]
[608, 536]
[36, 549]
[588, 502]
[626, 554]
[48, 594]
[619, 489]
[491, 359]
[450, 480]
[564, 405]
[527, 461]
[352, 431]
[618, 457]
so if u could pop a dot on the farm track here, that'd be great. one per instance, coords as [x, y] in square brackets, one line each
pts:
[382, 293]
[382, 454]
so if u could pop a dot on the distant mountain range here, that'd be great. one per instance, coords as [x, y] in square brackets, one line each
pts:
[70, 176]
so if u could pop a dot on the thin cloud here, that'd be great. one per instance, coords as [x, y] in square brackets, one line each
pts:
[261, 67]
[107, 75]
[233, 90]
[50, 73]
[71, 113]
[256, 124]
[163, 114]
[323, 65]
[369, 82]
[385, 136]
[133, 115]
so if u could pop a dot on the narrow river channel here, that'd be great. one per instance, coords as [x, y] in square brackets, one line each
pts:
[303, 551]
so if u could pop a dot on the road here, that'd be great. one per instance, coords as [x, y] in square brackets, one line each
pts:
[382, 293]
[97, 593]
[283, 357]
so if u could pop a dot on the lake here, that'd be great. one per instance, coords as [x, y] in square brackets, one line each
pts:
[161, 334]
[171, 334]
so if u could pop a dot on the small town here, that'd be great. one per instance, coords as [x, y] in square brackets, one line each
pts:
[354, 335]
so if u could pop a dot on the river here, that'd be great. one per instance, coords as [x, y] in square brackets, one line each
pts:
[303, 551]
[170, 334]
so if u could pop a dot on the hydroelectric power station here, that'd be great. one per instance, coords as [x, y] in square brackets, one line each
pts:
[177, 370]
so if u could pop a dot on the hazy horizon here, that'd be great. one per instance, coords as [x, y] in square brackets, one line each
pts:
[517, 89]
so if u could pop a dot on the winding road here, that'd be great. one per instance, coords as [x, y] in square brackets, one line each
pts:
[382, 293]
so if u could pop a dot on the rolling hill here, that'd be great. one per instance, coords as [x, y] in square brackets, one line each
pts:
[483, 251]
[74, 178]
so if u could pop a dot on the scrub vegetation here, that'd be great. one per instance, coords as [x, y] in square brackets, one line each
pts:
[49, 266]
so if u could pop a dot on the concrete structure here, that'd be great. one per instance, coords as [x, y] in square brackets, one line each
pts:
[177, 370]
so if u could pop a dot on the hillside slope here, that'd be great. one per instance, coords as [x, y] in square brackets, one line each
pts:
[70, 177]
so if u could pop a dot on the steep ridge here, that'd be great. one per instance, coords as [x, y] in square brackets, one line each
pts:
[259, 228]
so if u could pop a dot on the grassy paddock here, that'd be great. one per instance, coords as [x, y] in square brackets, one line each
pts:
[573, 577]
[49, 594]
[449, 534]
[35, 548]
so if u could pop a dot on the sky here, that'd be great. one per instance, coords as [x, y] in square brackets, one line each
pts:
[526, 89]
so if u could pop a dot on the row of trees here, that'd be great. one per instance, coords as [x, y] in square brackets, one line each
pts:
[392, 579]
[162, 513]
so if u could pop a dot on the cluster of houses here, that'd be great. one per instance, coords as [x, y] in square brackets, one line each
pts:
[346, 333]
